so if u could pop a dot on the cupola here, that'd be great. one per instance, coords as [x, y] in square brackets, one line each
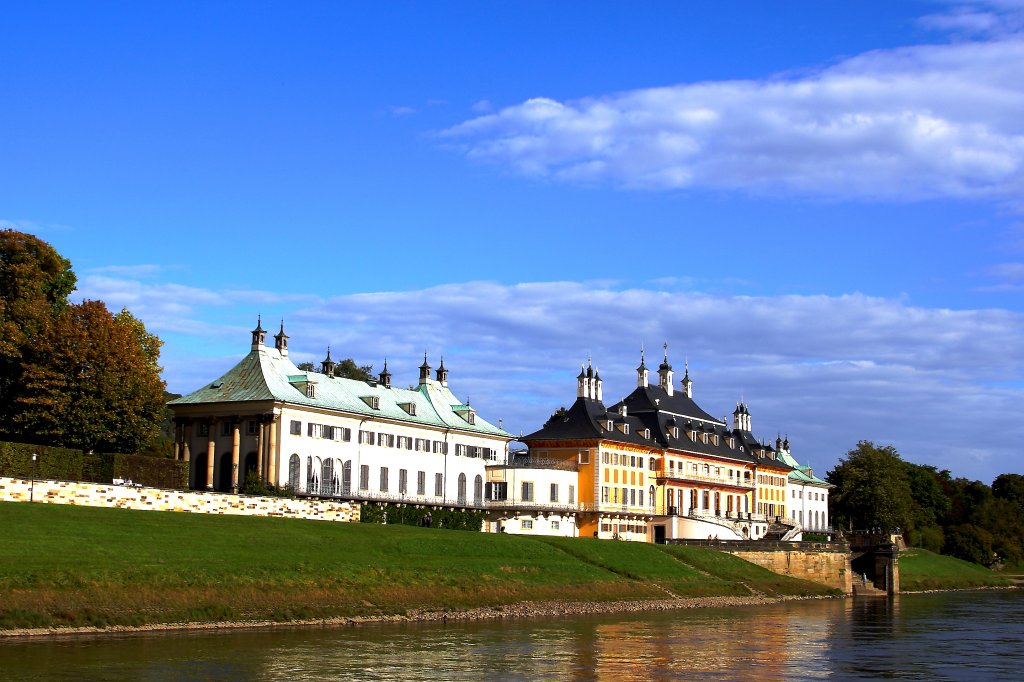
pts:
[442, 373]
[259, 335]
[281, 341]
[385, 375]
[424, 370]
[327, 365]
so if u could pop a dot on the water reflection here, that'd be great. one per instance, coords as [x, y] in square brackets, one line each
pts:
[953, 636]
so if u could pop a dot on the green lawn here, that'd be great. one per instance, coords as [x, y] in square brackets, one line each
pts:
[85, 565]
[924, 570]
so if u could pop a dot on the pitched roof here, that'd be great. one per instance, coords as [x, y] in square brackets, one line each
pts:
[264, 374]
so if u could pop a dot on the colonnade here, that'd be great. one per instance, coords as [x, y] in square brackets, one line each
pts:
[188, 429]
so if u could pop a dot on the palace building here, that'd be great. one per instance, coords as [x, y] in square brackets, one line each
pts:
[322, 435]
[656, 466]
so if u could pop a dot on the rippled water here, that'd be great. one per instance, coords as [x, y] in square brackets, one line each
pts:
[954, 636]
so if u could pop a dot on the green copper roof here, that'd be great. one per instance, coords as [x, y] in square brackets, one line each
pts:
[801, 473]
[265, 374]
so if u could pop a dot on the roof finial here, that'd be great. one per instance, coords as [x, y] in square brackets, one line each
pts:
[665, 346]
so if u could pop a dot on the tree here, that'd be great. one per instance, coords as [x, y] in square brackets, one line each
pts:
[556, 415]
[1010, 487]
[872, 489]
[35, 282]
[305, 366]
[92, 382]
[348, 369]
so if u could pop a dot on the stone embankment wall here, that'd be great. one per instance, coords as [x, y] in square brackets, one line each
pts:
[158, 499]
[826, 563]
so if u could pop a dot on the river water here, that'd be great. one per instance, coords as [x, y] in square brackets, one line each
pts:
[947, 636]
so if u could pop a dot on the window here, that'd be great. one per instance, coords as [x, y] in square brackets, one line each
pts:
[438, 485]
[526, 524]
[584, 456]
[311, 390]
[293, 472]
[328, 478]
[527, 495]
[372, 401]
[346, 478]
[225, 428]
[498, 491]
[460, 450]
[478, 491]
[204, 429]
[252, 427]
[421, 483]
[604, 458]
[403, 482]
[675, 432]
[554, 492]
[572, 494]
[554, 525]
[652, 464]
[604, 493]
[364, 477]
[462, 489]
[366, 437]
[346, 434]
[383, 479]
[632, 496]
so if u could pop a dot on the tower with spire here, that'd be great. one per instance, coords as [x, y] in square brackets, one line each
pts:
[281, 341]
[687, 384]
[259, 334]
[385, 375]
[665, 373]
[424, 370]
[442, 373]
[641, 371]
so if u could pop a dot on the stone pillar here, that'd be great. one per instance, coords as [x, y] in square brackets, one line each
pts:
[211, 453]
[235, 438]
[272, 452]
[261, 444]
[177, 440]
[186, 445]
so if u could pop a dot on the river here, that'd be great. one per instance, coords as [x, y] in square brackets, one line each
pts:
[943, 636]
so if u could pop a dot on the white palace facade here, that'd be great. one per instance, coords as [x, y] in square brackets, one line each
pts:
[322, 435]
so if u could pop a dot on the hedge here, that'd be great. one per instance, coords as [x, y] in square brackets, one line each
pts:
[409, 515]
[66, 464]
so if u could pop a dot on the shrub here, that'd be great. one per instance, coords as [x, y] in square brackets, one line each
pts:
[410, 515]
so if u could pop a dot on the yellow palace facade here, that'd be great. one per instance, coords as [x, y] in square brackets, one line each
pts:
[655, 466]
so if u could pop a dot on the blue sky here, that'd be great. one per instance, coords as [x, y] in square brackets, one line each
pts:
[817, 204]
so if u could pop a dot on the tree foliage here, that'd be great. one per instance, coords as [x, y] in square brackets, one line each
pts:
[872, 489]
[35, 282]
[348, 369]
[967, 519]
[72, 375]
[90, 383]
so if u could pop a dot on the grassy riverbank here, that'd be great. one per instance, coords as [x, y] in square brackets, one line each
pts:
[924, 570]
[80, 566]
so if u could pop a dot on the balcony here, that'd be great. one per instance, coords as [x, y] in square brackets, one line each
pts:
[530, 505]
[689, 476]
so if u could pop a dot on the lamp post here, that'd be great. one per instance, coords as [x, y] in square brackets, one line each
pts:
[32, 489]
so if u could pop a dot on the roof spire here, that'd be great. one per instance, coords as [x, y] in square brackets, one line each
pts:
[424, 370]
[259, 334]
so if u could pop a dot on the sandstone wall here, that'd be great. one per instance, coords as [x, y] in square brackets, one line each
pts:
[124, 497]
[827, 567]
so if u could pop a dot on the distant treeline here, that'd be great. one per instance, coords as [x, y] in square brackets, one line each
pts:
[876, 488]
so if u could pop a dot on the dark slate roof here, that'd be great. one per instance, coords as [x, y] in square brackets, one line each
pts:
[587, 419]
[655, 398]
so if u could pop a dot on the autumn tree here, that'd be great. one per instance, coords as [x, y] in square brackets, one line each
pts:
[71, 374]
[35, 282]
[92, 382]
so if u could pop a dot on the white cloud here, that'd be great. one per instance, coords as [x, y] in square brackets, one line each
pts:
[826, 370]
[901, 124]
[142, 270]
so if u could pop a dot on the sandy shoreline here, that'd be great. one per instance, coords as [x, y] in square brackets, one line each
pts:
[511, 611]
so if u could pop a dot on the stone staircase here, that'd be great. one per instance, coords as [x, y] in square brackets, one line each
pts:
[867, 590]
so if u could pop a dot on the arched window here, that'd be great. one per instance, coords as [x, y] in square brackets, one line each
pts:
[313, 475]
[653, 464]
[327, 477]
[293, 472]
[693, 499]
[671, 499]
[478, 491]
[650, 496]
[462, 489]
[346, 478]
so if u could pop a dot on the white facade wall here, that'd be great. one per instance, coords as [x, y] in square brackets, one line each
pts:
[390, 450]
[546, 505]
[808, 504]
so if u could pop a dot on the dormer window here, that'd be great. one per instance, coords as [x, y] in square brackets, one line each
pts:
[311, 390]
[410, 408]
[624, 427]
[647, 433]
[372, 401]
[716, 439]
[471, 417]
[608, 425]
[693, 435]
[675, 432]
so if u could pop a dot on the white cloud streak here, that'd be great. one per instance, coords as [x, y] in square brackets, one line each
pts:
[902, 124]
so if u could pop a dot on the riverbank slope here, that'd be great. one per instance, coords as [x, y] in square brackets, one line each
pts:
[63, 566]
